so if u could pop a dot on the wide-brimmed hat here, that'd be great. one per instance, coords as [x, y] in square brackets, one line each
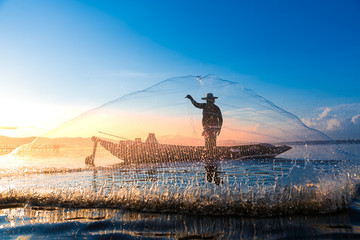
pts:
[209, 96]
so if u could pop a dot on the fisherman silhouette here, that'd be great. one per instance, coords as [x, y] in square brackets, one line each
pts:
[212, 121]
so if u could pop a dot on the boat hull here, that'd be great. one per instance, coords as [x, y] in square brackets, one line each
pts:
[153, 152]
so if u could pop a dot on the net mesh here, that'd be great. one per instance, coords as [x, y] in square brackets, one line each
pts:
[163, 111]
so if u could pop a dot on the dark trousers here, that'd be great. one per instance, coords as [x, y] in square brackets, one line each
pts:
[210, 142]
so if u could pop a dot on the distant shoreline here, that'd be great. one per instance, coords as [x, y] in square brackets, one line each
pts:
[347, 141]
[14, 142]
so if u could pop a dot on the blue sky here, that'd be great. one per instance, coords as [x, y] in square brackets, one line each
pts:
[74, 55]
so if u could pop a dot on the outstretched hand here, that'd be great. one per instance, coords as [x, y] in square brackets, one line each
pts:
[189, 97]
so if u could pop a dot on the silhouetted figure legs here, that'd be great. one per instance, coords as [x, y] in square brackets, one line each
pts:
[210, 143]
[211, 174]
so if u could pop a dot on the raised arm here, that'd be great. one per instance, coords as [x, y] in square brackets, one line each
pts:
[196, 104]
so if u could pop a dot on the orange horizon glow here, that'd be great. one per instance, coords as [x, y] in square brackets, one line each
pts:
[27, 118]
[168, 129]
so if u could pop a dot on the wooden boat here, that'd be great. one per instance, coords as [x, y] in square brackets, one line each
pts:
[151, 151]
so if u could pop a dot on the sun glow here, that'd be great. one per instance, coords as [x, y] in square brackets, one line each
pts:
[23, 118]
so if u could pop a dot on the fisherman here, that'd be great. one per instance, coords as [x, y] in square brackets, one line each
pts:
[212, 120]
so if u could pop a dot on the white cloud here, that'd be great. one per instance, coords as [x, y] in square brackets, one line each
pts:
[333, 124]
[339, 122]
[355, 119]
[308, 122]
[324, 113]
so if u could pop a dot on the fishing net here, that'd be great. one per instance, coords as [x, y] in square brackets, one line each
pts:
[163, 112]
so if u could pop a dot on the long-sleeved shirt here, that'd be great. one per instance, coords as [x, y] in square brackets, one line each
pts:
[211, 114]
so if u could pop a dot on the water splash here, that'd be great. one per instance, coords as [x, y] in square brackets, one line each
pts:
[248, 188]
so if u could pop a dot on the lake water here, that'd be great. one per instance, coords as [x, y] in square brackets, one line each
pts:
[308, 192]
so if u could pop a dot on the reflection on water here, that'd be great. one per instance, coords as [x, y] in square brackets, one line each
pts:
[91, 223]
[256, 198]
[261, 187]
[212, 173]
